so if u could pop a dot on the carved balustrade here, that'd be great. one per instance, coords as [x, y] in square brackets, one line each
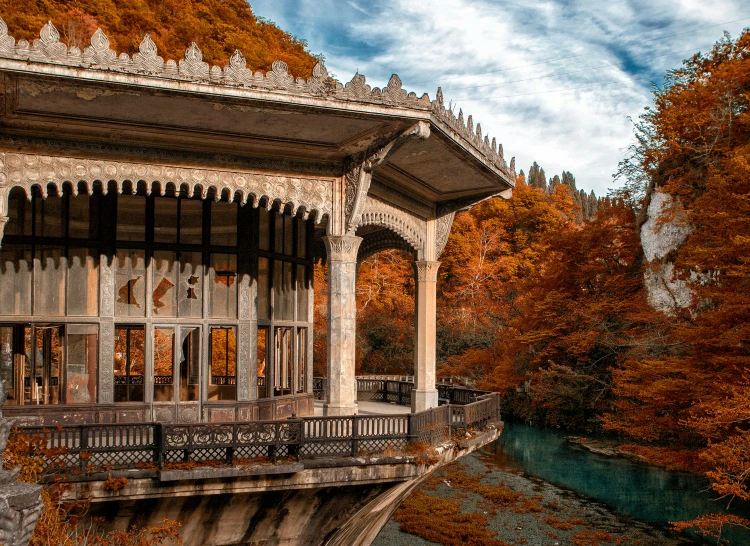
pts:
[149, 446]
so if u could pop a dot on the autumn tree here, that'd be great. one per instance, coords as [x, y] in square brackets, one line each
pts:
[694, 144]
[219, 27]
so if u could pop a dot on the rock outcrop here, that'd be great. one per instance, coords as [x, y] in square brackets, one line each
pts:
[663, 232]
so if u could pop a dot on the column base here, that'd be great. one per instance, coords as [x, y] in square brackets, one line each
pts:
[423, 399]
[331, 410]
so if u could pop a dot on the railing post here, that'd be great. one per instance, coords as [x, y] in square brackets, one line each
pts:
[82, 445]
[230, 450]
[294, 449]
[413, 432]
[355, 433]
[158, 453]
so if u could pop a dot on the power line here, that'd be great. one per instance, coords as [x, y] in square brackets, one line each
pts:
[633, 42]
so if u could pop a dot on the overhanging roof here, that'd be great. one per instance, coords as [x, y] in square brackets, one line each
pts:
[99, 96]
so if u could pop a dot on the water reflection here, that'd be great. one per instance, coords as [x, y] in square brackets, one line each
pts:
[642, 491]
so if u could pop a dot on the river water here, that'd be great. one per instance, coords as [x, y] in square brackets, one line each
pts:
[642, 491]
[625, 486]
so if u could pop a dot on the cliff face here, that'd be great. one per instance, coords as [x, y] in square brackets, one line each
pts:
[663, 232]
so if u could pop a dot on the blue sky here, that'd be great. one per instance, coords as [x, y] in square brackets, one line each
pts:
[555, 81]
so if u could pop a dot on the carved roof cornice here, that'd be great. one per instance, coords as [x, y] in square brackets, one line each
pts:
[48, 55]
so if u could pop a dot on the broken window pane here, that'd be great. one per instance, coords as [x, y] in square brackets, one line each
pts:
[130, 283]
[164, 297]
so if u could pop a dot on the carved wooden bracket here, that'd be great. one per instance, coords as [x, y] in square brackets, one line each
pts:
[358, 173]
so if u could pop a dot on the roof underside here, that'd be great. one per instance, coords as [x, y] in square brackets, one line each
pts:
[173, 111]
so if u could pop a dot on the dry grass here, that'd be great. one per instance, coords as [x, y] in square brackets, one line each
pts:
[440, 520]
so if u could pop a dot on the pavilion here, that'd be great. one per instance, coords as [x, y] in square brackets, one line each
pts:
[160, 223]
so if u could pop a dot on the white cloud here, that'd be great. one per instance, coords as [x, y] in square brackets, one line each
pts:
[491, 58]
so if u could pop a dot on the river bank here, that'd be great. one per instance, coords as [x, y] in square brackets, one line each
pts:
[506, 506]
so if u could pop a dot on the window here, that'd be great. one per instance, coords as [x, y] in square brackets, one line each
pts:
[48, 212]
[283, 359]
[190, 355]
[50, 266]
[129, 363]
[262, 301]
[130, 283]
[224, 224]
[7, 362]
[264, 233]
[191, 221]
[131, 218]
[83, 216]
[190, 296]
[262, 355]
[303, 295]
[19, 214]
[223, 384]
[43, 351]
[82, 363]
[83, 282]
[164, 296]
[163, 364]
[15, 288]
[223, 286]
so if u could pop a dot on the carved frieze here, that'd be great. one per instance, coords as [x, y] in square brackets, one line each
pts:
[311, 195]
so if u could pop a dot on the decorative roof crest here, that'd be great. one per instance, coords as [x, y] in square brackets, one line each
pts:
[192, 66]
[146, 60]
[49, 49]
[99, 54]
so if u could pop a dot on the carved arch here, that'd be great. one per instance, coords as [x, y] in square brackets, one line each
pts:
[382, 239]
[407, 228]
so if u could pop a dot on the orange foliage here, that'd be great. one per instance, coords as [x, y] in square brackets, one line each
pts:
[218, 27]
[61, 522]
[385, 314]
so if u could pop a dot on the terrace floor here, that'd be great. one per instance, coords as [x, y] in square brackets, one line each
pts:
[370, 408]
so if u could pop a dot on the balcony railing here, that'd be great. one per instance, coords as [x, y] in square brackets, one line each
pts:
[150, 446]
[379, 389]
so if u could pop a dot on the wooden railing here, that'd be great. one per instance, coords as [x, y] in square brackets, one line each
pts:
[91, 448]
[378, 389]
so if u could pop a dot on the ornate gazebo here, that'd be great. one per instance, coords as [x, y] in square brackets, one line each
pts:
[161, 221]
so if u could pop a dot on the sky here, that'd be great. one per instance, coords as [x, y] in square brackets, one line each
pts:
[559, 82]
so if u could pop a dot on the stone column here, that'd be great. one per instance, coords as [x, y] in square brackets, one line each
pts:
[341, 398]
[424, 395]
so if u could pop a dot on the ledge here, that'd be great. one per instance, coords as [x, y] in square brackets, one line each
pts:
[209, 473]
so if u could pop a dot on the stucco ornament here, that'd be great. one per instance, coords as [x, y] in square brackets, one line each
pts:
[311, 196]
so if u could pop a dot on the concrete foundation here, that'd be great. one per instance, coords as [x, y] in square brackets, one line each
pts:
[343, 502]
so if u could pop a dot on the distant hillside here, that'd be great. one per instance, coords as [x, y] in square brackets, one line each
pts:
[218, 27]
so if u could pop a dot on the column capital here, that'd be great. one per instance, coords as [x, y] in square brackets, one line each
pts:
[426, 271]
[342, 248]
